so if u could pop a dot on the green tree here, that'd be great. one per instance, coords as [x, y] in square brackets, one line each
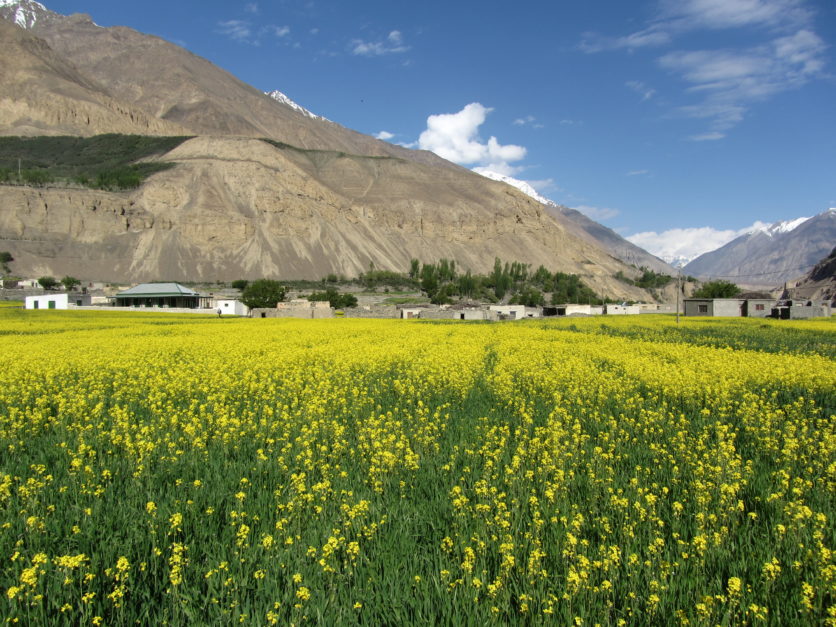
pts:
[47, 282]
[69, 282]
[529, 296]
[717, 289]
[335, 298]
[414, 268]
[240, 284]
[263, 294]
[5, 259]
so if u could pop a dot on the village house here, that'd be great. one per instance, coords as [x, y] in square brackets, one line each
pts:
[516, 312]
[801, 309]
[230, 307]
[297, 308]
[57, 301]
[623, 309]
[162, 295]
[571, 309]
[714, 307]
[48, 301]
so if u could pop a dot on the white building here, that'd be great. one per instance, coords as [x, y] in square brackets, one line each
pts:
[231, 307]
[622, 309]
[516, 312]
[48, 301]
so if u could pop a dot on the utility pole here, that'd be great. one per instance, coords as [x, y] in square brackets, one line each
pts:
[678, 289]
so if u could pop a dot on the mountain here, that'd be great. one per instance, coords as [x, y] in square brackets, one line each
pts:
[588, 229]
[770, 254]
[42, 94]
[263, 188]
[193, 93]
[819, 283]
[280, 97]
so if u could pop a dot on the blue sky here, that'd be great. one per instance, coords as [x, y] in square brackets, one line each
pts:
[676, 122]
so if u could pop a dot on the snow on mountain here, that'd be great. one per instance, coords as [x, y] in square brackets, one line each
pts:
[24, 13]
[280, 97]
[524, 187]
[783, 226]
[770, 253]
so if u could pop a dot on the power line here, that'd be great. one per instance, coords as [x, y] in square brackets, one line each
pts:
[736, 276]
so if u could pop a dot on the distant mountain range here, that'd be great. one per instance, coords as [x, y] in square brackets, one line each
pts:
[771, 254]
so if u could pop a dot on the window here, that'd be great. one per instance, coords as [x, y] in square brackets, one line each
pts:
[51, 304]
[36, 304]
[759, 307]
[702, 308]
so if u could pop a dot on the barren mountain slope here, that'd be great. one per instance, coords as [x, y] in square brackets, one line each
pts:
[42, 94]
[235, 207]
[819, 283]
[171, 83]
[605, 237]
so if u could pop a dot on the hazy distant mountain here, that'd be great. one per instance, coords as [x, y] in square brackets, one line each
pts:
[320, 198]
[772, 254]
[588, 229]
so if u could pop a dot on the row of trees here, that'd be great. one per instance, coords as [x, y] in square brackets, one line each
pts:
[50, 283]
[442, 282]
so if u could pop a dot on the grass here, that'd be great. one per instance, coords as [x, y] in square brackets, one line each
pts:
[101, 162]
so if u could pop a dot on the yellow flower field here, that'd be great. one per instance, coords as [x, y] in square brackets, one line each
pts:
[614, 471]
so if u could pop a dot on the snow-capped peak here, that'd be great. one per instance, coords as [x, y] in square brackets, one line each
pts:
[777, 228]
[524, 187]
[280, 97]
[24, 13]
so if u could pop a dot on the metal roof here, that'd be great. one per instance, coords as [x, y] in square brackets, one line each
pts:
[157, 289]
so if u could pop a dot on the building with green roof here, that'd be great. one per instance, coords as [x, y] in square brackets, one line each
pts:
[167, 295]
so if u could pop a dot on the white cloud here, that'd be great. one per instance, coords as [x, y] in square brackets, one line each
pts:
[455, 137]
[707, 137]
[599, 214]
[653, 36]
[678, 16]
[528, 120]
[251, 7]
[729, 81]
[640, 88]
[239, 30]
[385, 135]
[722, 14]
[687, 243]
[638, 172]
[393, 44]
[278, 31]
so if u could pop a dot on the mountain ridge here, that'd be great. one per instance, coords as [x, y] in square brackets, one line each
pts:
[770, 254]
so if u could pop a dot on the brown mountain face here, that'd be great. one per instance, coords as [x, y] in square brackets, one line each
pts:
[818, 284]
[42, 94]
[173, 84]
[234, 206]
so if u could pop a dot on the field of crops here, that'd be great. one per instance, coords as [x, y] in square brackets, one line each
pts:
[158, 468]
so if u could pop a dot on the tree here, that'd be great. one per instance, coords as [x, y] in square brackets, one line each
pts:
[5, 259]
[263, 294]
[335, 298]
[69, 282]
[240, 284]
[47, 282]
[717, 289]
